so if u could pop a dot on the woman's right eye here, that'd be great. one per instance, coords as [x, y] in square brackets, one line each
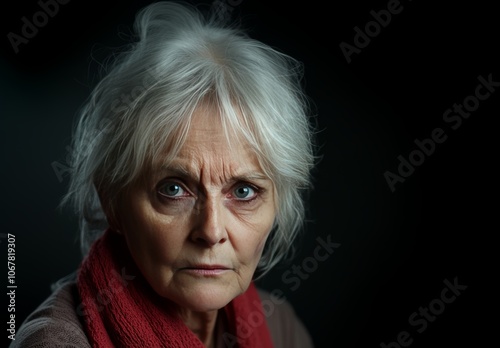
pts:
[172, 190]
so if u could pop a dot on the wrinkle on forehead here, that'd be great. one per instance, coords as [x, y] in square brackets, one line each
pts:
[208, 157]
[209, 154]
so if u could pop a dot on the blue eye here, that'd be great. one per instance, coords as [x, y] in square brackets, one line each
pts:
[171, 189]
[244, 192]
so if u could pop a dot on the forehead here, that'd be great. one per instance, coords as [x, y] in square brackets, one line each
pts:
[210, 145]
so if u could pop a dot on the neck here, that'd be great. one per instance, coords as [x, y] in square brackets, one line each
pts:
[202, 324]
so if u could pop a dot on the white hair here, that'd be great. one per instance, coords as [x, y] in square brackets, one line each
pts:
[145, 102]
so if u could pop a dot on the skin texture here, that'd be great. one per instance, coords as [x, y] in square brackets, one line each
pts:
[212, 205]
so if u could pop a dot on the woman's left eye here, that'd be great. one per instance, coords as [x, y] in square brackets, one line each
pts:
[244, 192]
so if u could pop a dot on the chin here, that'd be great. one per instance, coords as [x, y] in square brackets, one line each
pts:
[206, 297]
[199, 295]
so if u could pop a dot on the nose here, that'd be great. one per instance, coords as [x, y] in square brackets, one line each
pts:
[209, 228]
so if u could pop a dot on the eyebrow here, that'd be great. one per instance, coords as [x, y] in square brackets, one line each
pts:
[182, 171]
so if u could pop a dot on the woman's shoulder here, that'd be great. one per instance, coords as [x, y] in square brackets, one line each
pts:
[54, 323]
[286, 328]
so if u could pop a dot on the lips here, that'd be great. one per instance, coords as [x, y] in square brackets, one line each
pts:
[206, 270]
[209, 267]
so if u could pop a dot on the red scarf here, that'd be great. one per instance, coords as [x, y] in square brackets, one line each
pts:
[122, 310]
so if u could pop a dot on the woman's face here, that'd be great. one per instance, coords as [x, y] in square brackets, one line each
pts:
[196, 229]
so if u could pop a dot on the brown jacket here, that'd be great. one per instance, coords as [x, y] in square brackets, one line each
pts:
[55, 323]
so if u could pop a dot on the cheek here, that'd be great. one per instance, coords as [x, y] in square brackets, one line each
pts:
[160, 243]
[249, 240]
[156, 246]
[150, 238]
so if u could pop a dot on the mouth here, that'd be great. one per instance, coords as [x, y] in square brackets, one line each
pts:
[206, 270]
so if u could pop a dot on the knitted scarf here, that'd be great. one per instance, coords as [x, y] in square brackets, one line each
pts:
[122, 310]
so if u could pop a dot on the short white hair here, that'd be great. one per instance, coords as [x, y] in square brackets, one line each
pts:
[145, 102]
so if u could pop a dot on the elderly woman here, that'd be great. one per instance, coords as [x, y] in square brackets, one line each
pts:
[189, 166]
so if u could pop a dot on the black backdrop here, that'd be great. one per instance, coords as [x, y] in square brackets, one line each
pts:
[397, 249]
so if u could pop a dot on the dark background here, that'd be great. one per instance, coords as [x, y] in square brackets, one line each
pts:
[396, 249]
